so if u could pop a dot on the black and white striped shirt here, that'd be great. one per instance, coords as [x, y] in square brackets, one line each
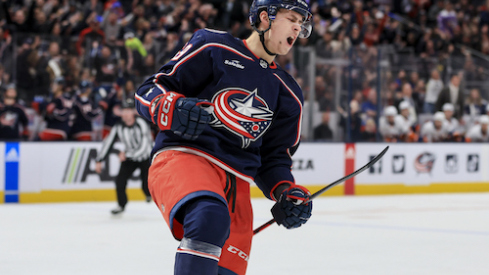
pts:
[137, 139]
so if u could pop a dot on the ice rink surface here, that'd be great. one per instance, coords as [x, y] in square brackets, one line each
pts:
[408, 234]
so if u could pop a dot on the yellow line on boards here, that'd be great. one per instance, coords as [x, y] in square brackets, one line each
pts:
[137, 193]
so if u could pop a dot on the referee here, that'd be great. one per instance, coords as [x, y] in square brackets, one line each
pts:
[135, 134]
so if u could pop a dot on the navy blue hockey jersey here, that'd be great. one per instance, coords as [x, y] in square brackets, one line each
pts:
[58, 113]
[258, 108]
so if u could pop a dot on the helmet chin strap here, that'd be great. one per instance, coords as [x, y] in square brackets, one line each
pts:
[262, 38]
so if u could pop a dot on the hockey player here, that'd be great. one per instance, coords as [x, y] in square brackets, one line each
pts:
[436, 130]
[409, 120]
[455, 130]
[479, 133]
[228, 116]
[391, 126]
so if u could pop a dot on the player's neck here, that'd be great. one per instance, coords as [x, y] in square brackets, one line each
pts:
[255, 46]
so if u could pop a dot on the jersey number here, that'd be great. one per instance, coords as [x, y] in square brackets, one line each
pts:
[182, 52]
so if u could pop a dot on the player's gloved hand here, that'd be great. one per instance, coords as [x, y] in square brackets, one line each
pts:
[291, 209]
[186, 117]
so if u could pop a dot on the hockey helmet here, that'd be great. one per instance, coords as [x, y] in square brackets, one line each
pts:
[439, 116]
[272, 7]
[404, 105]
[390, 111]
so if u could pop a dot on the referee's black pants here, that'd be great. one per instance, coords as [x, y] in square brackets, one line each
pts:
[125, 172]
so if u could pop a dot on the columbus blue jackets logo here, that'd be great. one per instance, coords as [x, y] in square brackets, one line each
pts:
[242, 112]
[424, 162]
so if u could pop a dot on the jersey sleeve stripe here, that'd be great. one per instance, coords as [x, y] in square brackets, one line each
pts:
[203, 47]
[299, 123]
[142, 100]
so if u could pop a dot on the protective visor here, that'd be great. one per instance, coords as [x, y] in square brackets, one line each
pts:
[306, 26]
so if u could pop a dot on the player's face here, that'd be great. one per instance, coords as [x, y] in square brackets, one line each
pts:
[284, 32]
[405, 112]
[391, 119]
[448, 114]
[438, 124]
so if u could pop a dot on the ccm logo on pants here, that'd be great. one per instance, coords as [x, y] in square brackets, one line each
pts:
[237, 251]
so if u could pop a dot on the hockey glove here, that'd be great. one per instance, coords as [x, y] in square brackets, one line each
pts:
[186, 117]
[293, 208]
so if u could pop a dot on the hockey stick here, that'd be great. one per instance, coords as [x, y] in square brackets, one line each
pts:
[329, 186]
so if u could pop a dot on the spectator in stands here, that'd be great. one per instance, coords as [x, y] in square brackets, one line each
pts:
[407, 96]
[13, 118]
[43, 25]
[369, 106]
[435, 130]
[309, 122]
[369, 134]
[135, 51]
[84, 113]
[447, 19]
[478, 132]
[112, 27]
[93, 33]
[475, 105]
[452, 94]
[355, 119]
[58, 113]
[26, 77]
[324, 48]
[106, 68]
[401, 79]
[433, 89]
[323, 93]
[20, 23]
[4, 81]
[323, 132]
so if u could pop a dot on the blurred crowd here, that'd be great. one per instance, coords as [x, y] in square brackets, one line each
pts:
[66, 66]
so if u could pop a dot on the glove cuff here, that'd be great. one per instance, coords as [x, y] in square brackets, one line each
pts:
[299, 199]
[161, 109]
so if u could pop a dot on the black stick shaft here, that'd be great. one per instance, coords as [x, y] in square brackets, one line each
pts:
[329, 186]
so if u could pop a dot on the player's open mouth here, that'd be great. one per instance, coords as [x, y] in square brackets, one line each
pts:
[290, 40]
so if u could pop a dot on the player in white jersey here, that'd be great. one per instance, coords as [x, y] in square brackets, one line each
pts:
[455, 129]
[409, 120]
[479, 132]
[391, 125]
[436, 130]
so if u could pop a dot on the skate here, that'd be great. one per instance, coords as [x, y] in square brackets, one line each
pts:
[117, 210]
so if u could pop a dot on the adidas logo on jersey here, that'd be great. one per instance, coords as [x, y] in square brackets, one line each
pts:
[234, 63]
